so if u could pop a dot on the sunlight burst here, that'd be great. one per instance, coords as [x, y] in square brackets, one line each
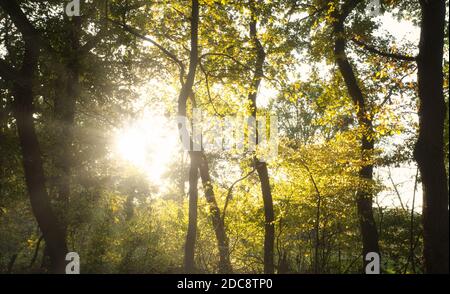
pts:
[148, 144]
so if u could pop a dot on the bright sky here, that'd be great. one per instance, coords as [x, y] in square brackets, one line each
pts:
[403, 176]
[149, 141]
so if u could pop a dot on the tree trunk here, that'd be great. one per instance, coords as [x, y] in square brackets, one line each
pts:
[189, 250]
[34, 172]
[429, 149]
[364, 195]
[217, 221]
[31, 154]
[261, 167]
[269, 218]
[198, 157]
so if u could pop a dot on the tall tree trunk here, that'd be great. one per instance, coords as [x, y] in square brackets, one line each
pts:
[217, 221]
[34, 174]
[429, 149]
[269, 217]
[363, 196]
[189, 250]
[198, 157]
[31, 154]
[261, 167]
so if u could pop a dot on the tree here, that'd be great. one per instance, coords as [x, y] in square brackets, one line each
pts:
[364, 196]
[88, 136]
[22, 81]
[198, 158]
[429, 149]
[261, 166]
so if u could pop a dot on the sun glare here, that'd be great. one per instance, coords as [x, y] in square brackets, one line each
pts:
[148, 144]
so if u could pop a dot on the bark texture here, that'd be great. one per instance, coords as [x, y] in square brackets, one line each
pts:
[364, 195]
[429, 149]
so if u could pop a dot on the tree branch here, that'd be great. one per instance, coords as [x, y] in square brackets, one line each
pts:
[140, 35]
[374, 50]
[22, 23]
[230, 190]
[92, 42]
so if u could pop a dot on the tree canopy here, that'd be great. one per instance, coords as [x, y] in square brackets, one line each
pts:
[224, 136]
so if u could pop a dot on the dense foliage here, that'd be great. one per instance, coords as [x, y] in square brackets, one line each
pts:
[124, 62]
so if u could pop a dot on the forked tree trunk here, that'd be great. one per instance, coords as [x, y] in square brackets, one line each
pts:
[217, 221]
[198, 158]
